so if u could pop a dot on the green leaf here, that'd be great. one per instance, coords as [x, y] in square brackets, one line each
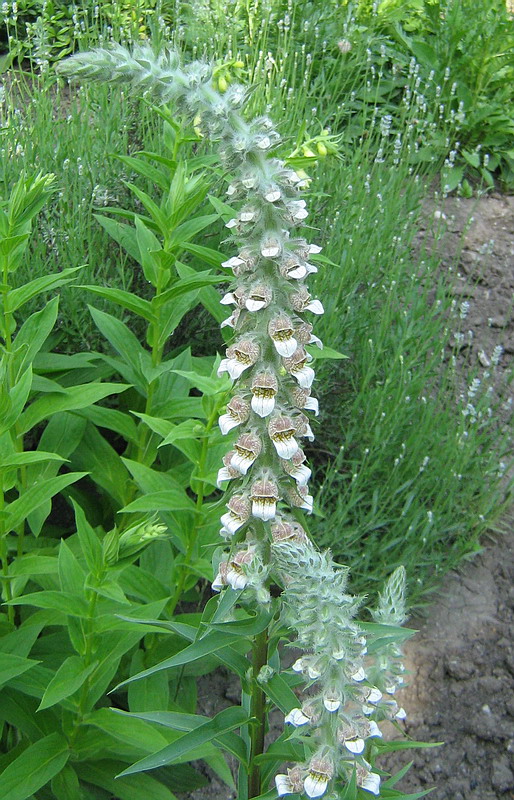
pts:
[327, 352]
[188, 229]
[136, 787]
[20, 508]
[120, 337]
[222, 723]
[65, 785]
[16, 401]
[18, 297]
[148, 245]
[256, 622]
[210, 643]
[34, 768]
[28, 457]
[125, 235]
[279, 691]
[128, 729]
[208, 386]
[12, 665]
[103, 464]
[70, 399]
[35, 330]
[124, 299]
[184, 286]
[207, 254]
[58, 601]
[167, 500]
[111, 419]
[67, 680]
[89, 541]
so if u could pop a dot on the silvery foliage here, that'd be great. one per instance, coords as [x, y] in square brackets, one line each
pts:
[348, 690]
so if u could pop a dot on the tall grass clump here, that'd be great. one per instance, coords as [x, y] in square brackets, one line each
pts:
[414, 446]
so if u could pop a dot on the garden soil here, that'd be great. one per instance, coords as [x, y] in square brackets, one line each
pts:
[461, 663]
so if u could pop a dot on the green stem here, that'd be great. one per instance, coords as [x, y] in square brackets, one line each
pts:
[185, 566]
[258, 710]
[88, 652]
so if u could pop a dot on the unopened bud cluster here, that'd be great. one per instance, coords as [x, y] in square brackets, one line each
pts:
[270, 313]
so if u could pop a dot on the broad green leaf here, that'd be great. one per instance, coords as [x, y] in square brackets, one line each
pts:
[179, 721]
[255, 623]
[188, 229]
[12, 665]
[167, 500]
[327, 352]
[58, 601]
[34, 768]
[19, 509]
[151, 693]
[125, 235]
[28, 457]
[184, 286]
[224, 722]
[120, 337]
[65, 785]
[67, 680]
[128, 729]
[148, 245]
[111, 419]
[208, 386]
[34, 332]
[74, 398]
[89, 541]
[34, 564]
[72, 577]
[279, 691]
[207, 254]
[124, 299]
[211, 643]
[103, 463]
[18, 297]
[153, 174]
[17, 398]
[136, 787]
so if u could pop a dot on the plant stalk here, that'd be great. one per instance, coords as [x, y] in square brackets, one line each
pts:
[258, 710]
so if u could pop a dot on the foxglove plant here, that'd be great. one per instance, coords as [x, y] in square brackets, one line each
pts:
[349, 683]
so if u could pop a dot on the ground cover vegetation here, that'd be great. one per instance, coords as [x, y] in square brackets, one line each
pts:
[111, 451]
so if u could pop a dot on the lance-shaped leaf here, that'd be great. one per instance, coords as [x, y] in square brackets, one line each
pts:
[12, 665]
[210, 643]
[224, 722]
[124, 299]
[20, 508]
[34, 768]
[18, 297]
[67, 680]
[68, 400]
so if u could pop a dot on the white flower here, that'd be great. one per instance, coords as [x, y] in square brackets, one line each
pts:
[297, 718]
[320, 773]
[355, 745]
[371, 783]
[281, 431]
[358, 676]
[264, 496]
[282, 334]
[238, 411]
[332, 700]
[283, 785]
[240, 356]
[264, 388]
